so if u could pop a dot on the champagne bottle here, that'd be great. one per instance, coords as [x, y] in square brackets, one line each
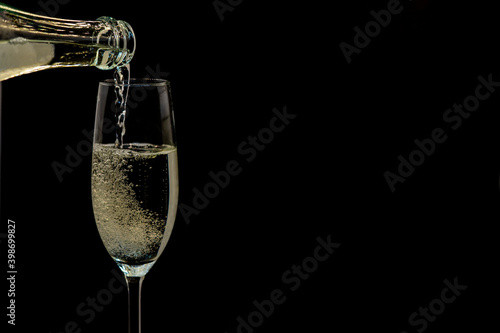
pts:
[30, 42]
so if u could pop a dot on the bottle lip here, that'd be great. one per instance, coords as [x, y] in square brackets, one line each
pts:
[131, 39]
[123, 37]
[137, 82]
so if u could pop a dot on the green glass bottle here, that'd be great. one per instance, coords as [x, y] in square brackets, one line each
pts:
[30, 42]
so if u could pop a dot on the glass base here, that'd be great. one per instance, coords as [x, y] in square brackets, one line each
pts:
[135, 270]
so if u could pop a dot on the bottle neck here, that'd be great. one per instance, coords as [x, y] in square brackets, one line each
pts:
[105, 32]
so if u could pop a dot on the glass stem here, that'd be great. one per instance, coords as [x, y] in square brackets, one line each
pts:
[134, 286]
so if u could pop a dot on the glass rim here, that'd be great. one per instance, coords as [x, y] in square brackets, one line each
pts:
[137, 82]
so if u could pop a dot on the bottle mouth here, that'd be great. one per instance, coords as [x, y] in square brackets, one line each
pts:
[119, 36]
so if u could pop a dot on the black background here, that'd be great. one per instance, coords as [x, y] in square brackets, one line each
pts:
[323, 175]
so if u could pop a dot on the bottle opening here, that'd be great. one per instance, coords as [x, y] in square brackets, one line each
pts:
[119, 40]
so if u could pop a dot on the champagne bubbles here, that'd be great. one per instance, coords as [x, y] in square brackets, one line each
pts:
[130, 193]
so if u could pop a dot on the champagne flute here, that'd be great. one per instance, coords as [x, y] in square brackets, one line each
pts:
[135, 179]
